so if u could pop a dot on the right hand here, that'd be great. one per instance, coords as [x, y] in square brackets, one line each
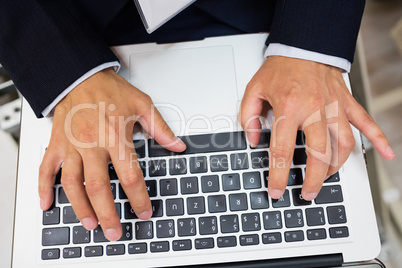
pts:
[110, 139]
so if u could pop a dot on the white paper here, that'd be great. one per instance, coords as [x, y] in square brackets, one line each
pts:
[155, 13]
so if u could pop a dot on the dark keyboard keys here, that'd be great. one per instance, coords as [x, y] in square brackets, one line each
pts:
[62, 196]
[294, 236]
[259, 159]
[168, 187]
[137, 248]
[198, 164]
[251, 222]
[157, 208]
[259, 200]
[300, 156]
[51, 216]
[210, 183]
[316, 234]
[139, 146]
[251, 180]
[157, 168]
[238, 202]
[55, 236]
[122, 194]
[93, 251]
[271, 238]
[229, 224]
[114, 250]
[129, 212]
[293, 218]
[165, 228]
[283, 201]
[208, 225]
[186, 227]
[333, 178]
[339, 232]
[239, 161]
[329, 194]
[69, 215]
[216, 203]
[195, 205]
[231, 182]
[144, 230]
[272, 220]
[151, 187]
[99, 236]
[336, 214]
[127, 231]
[189, 185]
[264, 139]
[218, 163]
[81, 235]
[177, 166]
[112, 172]
[118, 209]
[300, 138]
[226, 241]
[162, 246]
[174, 207]
[315, 216]
[295, 177]
[72, 253]
[180, 245]
[113, 189]
[50, 254]
[204, 243]
[298, 199]
[249, 240]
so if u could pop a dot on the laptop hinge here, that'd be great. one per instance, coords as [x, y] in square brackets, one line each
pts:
[319, 261]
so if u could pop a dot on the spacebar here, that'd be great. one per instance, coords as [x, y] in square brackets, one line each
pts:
[205, 143]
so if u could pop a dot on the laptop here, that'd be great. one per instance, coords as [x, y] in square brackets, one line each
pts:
[210, 203]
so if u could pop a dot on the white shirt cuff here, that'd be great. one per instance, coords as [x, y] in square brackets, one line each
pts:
[49, 110]
[276, 49]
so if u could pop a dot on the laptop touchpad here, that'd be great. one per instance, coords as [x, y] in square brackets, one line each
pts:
[192, 88]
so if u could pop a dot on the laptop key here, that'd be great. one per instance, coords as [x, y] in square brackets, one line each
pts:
[186, 227]
[316, 234]
[210, 184]
[127, 231]
[249, 240]
[62, 196]
[315, 216]
[50, 254]
[180, 245]
[55, 236]
[333, 178]
[168, 187]
[238, 202]
[300, 138]
[298, 200]
[165, 228]
[195, 205]
[139, 146]
[218, 162]
[295, 177]
[339, 232]
[177, 166]
[336, 214]
[162, 246]
[81, 235]
[99, 236]
[259, 200]
[271, 238]
[72, 253]
[114, 250]
[174, 207]
[264, 139]
[157, 168]
[226, 241]
[293, 218]
[229, 224]
[251, 222]
[51, 216]
[208, 225]
[204, 243]
[112, 173]
[231, 182]
[69, 215]
[189, 185]
[294, 236]
[272, 220]
[259, 159]
[137, 248]
[198, 164]
[216, 203]
[93, 251]
[239, 161]
[300, 156]
[251, 180]
[283, 201]
[118, 209]
[329, 194]
[144, 230]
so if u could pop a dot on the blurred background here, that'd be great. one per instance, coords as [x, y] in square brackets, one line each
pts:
[376, 79]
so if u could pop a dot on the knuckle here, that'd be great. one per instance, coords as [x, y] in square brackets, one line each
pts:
[131, 180]
[68, 180]
[282, 151]
[95, 187]
[347, 144]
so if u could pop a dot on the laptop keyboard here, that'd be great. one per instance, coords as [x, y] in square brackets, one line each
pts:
[212, 196]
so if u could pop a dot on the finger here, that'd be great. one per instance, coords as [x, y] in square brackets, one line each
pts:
[131, 179]
[365, 123]
[282, 144]
[319, 155]
[250, 111]
[152, 121]
[97, 185]
[48, 170]
[72, 180]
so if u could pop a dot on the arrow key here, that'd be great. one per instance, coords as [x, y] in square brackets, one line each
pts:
[336, 214]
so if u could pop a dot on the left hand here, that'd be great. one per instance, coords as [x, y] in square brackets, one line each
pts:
[313, 97]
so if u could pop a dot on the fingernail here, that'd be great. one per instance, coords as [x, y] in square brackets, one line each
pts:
[88, 223]
[42, 204]
[145, 215]
[251, 144]
[389, 151]
[275, 193]
[310, 196]
[111, 234]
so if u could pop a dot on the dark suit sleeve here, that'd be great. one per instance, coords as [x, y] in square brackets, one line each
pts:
[325, 26]
[46, 45]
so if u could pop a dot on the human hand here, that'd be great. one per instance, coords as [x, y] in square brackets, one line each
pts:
[92, 125]
[313, 97]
